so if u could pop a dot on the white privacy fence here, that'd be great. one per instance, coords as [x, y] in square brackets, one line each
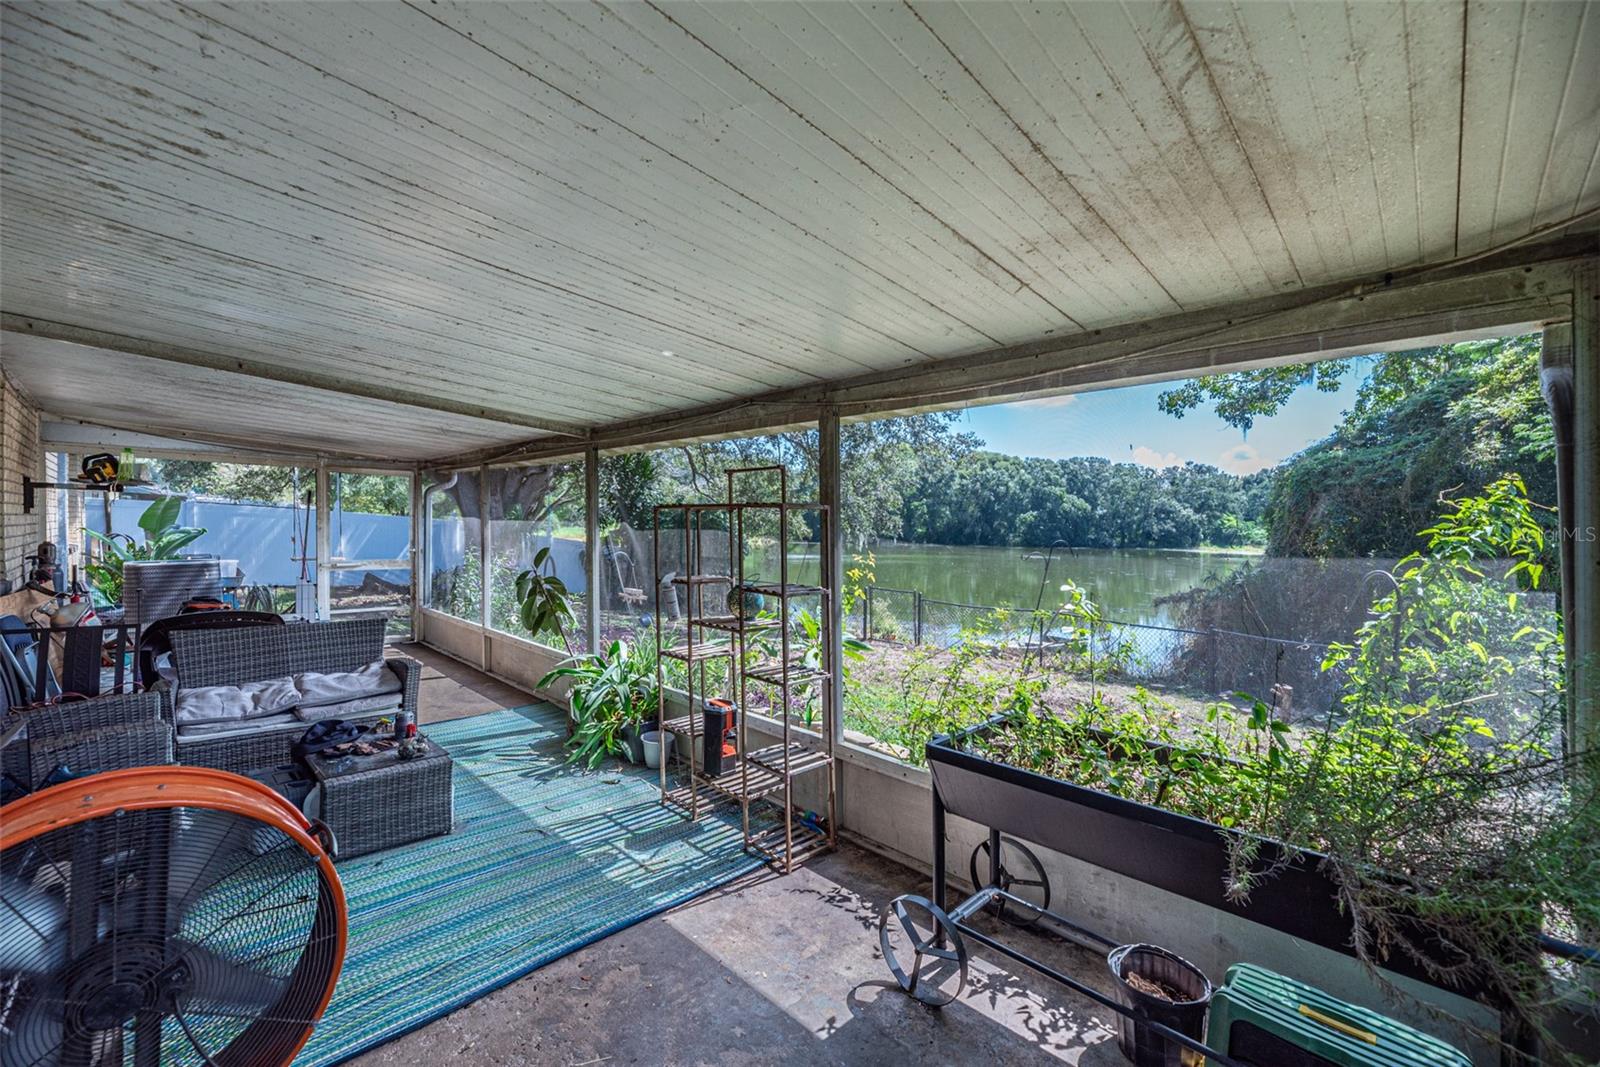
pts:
[263, 537]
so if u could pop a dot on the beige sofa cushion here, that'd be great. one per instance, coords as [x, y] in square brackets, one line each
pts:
[320, 690]
[234, 703]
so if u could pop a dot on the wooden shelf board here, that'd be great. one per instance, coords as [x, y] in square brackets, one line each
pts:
[793, 589]
[772, 674]
[702, 650]
[768, 844]
[801, 758]
[733, 781]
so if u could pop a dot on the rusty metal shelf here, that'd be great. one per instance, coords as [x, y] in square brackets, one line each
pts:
[733, 625]
[701, 579]
[793, 589]
[679, 797]
[753, 782]
[807, 842]
[773, 673]
[778, 505]
[682, 724]
[801, 759]
[701, 650]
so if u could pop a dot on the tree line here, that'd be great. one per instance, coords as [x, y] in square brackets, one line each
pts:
[986, 498]
[1426, 425]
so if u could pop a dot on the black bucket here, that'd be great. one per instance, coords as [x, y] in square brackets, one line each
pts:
[632, 738]
[1142, 1046]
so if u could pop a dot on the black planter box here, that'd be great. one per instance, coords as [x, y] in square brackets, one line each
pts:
[1182, 855]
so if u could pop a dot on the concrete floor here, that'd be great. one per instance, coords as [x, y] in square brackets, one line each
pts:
[766, 970]
[452, 690]
[769, 970]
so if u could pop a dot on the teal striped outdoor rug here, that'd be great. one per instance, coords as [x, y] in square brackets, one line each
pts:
[544, 859]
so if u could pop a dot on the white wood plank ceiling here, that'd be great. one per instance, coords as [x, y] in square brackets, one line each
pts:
[526, 207]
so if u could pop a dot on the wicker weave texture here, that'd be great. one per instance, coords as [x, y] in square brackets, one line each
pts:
[385, 806]
[111, 748]
[46, 724]
[14, 764]
[410, 672]
[257, 653]
[249, 753]
[76, 716]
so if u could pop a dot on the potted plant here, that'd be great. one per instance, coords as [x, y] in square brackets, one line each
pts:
[613, 692]
[163, 539]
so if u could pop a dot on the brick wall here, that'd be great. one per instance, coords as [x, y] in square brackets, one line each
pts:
[19, 454]
[76, 503]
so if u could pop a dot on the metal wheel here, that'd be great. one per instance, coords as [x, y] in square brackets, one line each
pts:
[1021, 874]
[935, 946]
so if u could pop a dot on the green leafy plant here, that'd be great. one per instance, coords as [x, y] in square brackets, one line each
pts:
[858, 578]
[946, 690]
[1228, 773]
[806, 637]
[611, 690]
[544, 605]
[1440, 792]
[811, 659]
[163, 539]
[1436, 797]
[1079, 636]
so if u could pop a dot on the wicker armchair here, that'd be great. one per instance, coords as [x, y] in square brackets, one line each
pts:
[114, 748]
[233, 657]
[101, 733]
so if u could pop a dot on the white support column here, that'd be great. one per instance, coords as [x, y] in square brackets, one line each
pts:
[591, 545]
[485, 571]
[324, 544]
[417, 562]
[830, 491]
[1585, 521]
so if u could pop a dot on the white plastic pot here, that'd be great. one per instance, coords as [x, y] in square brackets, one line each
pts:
[652, 747]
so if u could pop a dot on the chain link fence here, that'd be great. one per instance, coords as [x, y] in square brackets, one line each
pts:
[1209, 663]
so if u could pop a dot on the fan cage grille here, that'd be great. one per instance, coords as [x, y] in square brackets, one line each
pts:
[163, 935]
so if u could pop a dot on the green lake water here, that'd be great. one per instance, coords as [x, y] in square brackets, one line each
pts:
[1126, 583]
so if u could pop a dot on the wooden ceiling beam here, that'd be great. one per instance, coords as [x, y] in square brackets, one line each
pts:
[146, 438]
[12, 322]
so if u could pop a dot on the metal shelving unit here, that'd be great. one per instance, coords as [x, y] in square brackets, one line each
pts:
[699, 647]
[761, 652]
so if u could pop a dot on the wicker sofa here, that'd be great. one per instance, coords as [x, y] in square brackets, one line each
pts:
[205, 658]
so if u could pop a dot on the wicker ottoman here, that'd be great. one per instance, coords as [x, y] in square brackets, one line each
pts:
[380, 801]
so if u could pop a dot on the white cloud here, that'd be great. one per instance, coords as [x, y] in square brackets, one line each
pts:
[1149, 457]
[1242, 459]
[1061, 401]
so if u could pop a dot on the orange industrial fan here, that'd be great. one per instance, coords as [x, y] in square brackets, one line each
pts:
[164, 915]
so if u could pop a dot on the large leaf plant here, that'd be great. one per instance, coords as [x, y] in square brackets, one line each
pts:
[163, 539]
[611, 690]
[543, 603]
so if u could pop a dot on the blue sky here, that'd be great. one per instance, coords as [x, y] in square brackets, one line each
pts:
[1125, 425]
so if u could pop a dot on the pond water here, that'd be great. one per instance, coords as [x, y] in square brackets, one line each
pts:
[1125, 583]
